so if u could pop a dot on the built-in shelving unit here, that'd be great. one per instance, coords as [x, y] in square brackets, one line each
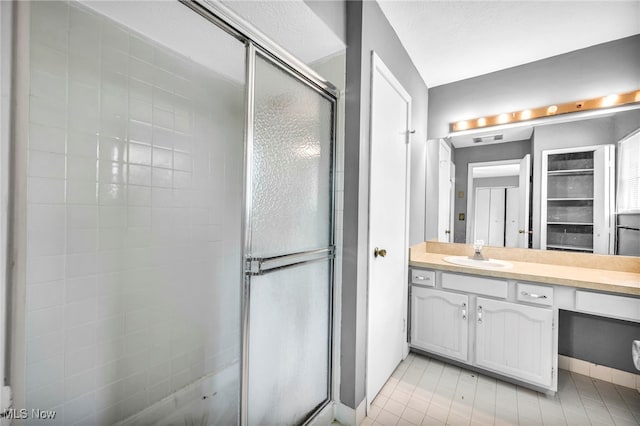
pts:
[575, 198]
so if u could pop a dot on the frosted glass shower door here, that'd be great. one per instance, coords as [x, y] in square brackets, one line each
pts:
[290, 249]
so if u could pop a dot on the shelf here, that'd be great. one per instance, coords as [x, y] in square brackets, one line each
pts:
[574, 248]
[570, 199]
[570, 223]
[570, 172]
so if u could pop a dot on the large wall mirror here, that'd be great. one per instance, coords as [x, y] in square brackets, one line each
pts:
[551, 184]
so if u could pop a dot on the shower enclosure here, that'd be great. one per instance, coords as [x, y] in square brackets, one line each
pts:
[173, 219]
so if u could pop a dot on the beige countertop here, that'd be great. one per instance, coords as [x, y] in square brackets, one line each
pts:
[617, 274]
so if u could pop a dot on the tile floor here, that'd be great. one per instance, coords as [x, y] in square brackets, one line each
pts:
[425, 391]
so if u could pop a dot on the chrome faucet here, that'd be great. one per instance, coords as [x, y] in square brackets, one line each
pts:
[477, 249]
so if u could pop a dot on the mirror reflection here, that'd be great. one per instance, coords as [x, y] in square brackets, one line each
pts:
[553, 185]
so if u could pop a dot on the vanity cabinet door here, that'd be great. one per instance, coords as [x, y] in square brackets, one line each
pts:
[515, 340]
[439, 322]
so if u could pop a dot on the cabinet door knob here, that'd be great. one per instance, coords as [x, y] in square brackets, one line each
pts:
[464, 311]
[480, 313]
[379, 252]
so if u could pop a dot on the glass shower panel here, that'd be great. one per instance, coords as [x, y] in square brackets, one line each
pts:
[289, 349]
[289, 310]
[292, 157]
[134, 206]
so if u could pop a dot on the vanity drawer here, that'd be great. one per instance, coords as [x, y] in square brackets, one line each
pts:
[422, 277]
[608, 305]
[532, 293]
[473, 284]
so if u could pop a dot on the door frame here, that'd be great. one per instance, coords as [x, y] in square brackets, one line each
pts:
[377, 65]
[442, 220]
[471, 193]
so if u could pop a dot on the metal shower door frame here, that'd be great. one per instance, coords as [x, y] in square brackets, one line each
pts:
[256, 43]
[254, 266]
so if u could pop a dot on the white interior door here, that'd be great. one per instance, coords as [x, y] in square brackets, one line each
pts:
[388, 230]
[603, 204]
[481, 219]
[444, 192]
[496, 217]
[524, 187]
[489, 220]
[452, 200]
[512, 217]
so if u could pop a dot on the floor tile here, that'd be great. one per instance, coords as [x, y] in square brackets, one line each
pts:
[427, 391]
[386, 418]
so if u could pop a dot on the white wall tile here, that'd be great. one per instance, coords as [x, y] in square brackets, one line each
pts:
[78, 289]
[139, 175]
[80, 313]
[81, 265]
[82, 240]
[48, 139]
[49, 60]
[45, 190]
[45, 268]
[47, 396]
[82, 144]
[116, 270]
[47, 346]
[47, 86]
[45, 295]
[81, 360]
[45, 372]
[115, 38]
[79, 408]
[85, 71]
[79, 337]
[81, 192]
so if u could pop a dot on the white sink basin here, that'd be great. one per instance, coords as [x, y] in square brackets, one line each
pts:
[474, 263]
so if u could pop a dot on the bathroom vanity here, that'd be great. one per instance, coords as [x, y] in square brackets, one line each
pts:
[505, 320]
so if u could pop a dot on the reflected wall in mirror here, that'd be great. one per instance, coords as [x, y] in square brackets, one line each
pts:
[477, 154]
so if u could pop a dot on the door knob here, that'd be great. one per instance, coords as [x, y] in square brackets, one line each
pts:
[379, 252]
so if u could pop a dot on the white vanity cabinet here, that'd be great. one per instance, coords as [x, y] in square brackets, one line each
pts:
[439, 322]
[515, 340]
[499, 325]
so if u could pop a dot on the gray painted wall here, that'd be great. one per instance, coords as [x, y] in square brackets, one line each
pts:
[582, 74]
[608, 342]
[478, 154]
[367, 30]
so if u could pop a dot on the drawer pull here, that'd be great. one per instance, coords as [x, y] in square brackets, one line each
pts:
[533, 295]
[421, 278]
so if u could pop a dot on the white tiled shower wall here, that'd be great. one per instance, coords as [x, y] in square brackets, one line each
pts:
[133, 218]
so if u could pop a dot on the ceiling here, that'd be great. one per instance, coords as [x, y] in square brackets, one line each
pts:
[455, 40]
[292, 24]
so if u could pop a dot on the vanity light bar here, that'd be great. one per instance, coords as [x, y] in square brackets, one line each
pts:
[609, 101]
